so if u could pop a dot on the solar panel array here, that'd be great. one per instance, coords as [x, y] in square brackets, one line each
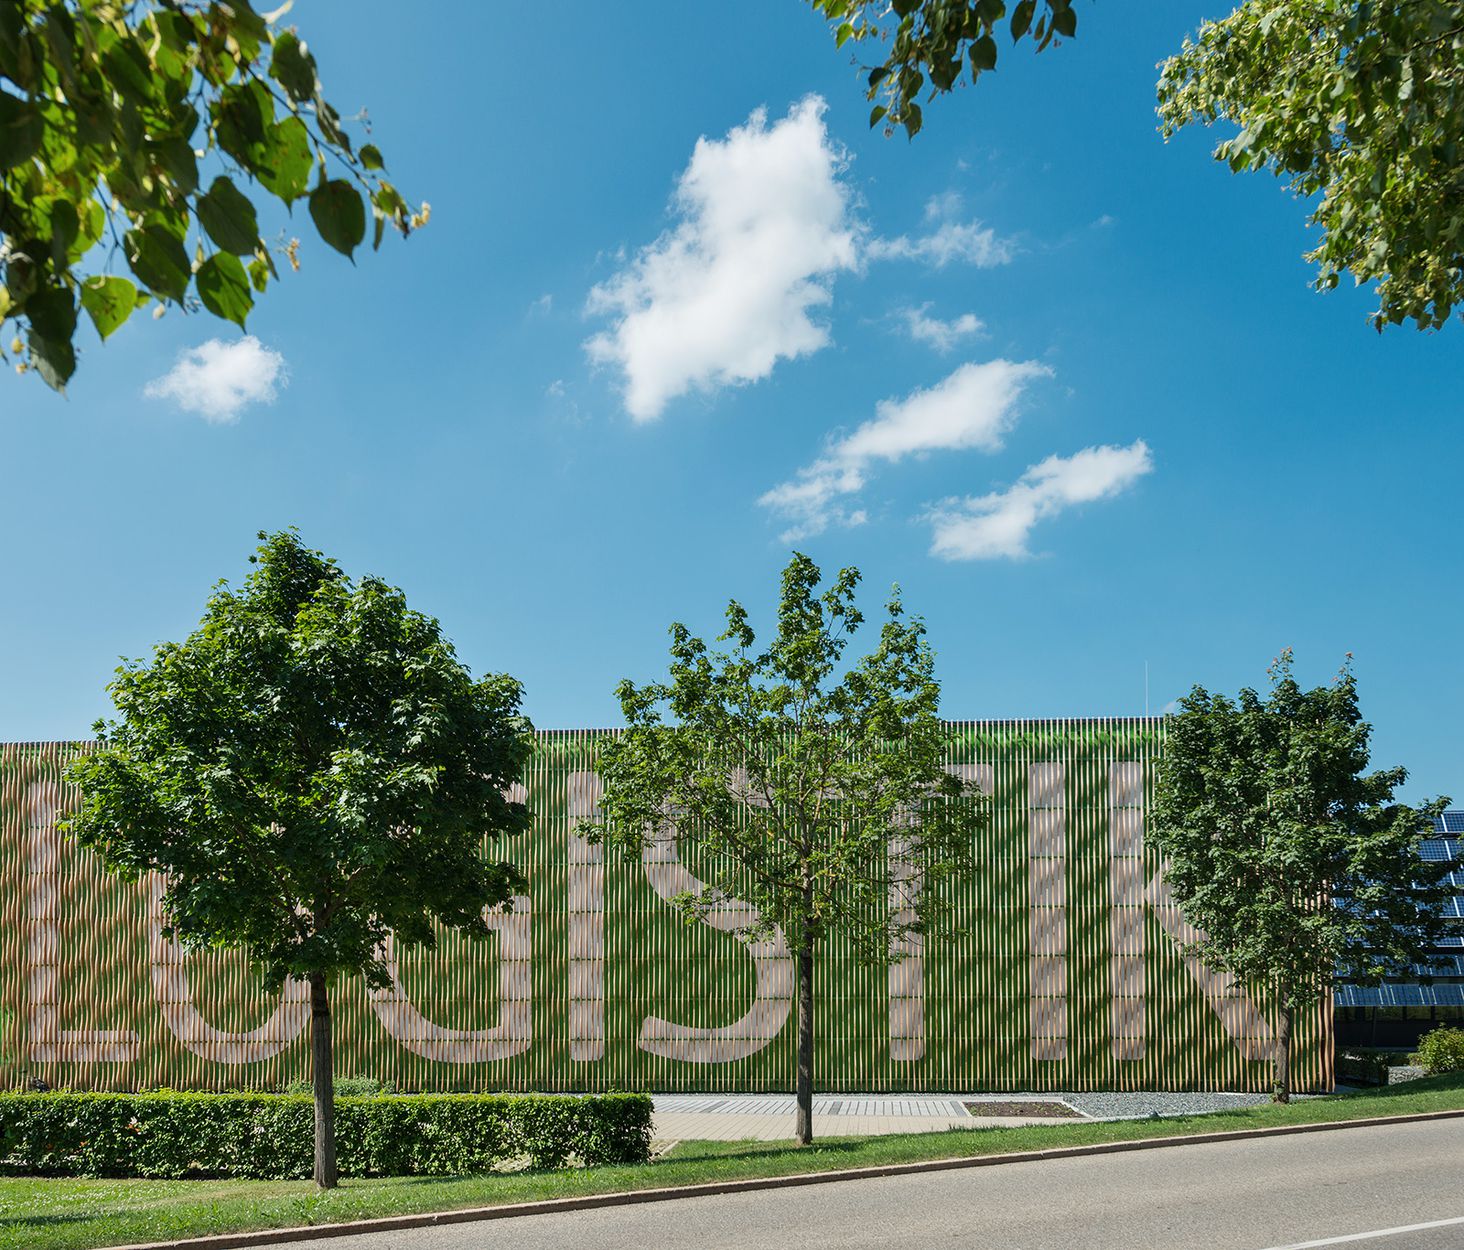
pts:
[1446, 973]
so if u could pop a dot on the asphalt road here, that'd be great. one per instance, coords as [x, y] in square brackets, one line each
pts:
[1317, 1189]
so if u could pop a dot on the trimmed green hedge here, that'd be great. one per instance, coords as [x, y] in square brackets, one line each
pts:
[170, 1135]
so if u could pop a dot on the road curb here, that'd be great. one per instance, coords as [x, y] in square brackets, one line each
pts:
[549, 1206]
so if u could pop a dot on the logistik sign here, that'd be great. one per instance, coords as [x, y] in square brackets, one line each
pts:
[1067, 970]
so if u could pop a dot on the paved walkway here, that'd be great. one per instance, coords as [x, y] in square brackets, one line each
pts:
[748, 1117]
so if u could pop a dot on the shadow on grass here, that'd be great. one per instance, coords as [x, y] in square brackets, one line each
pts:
[41, 1221]
[772, 1150]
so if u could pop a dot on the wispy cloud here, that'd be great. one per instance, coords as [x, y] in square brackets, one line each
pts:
[999, 525]
[765, 225]
[949, 241]
[941, 335]
[218, 380]
[974, 407]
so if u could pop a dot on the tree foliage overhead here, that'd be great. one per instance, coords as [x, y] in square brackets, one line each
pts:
[311, 769]
[1359, 106]
[138, 139]
[939, 43]
[1296, 863]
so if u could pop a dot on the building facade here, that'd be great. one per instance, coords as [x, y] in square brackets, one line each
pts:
[1067, 971]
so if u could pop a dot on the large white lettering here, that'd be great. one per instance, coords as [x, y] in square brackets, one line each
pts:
[513, 1033]
[1237, 1011]
[773, 996]
[47, 1042]
[1047, 910]
[174, 993]
[1126, 908]
[586, 925]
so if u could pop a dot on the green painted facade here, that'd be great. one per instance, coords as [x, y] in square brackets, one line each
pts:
[1067, 973]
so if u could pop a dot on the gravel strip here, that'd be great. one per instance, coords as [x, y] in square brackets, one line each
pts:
[1139, 1105]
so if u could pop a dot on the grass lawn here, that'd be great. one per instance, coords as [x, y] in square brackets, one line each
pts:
[78, 1214]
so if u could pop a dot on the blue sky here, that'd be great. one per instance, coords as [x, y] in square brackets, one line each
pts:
[1067, 384]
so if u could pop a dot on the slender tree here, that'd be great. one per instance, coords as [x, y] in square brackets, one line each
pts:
[818, 797]
[310, 770]
[1298, 866]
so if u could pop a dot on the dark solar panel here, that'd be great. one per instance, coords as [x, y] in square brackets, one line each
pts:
[1453, 822]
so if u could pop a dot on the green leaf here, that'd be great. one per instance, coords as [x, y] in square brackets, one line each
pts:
[109, 301]
[52, 313]
[371, 157]
[292, 66]
[228, 216]
[128, 71]
[224, 287]
[285, 171]
[877, 114]
[157, 257]
[329, 122]
[21, 131]
[93, 222]
[983, 54]
[54, 359]
[1065, 22]
[1022, 18]
[176, 157]
[64, 227]
[12, 36]
[243, 118]
[339, 215]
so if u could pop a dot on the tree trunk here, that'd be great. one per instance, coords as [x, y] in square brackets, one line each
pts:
[1282, 1090]
[805, 1046]
[323, 1065]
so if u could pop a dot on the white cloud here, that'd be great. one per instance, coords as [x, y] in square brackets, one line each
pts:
[943, 206]
[765, 225]
[974, 407]
[941, 335]
[217, 380]
[969, 242]
[997, 526]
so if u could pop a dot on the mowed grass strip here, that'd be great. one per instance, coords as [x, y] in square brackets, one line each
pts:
[41, 1214]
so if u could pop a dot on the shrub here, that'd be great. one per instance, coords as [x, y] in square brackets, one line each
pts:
[346, 1087]
[171, 1135]
[1441, 1051]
